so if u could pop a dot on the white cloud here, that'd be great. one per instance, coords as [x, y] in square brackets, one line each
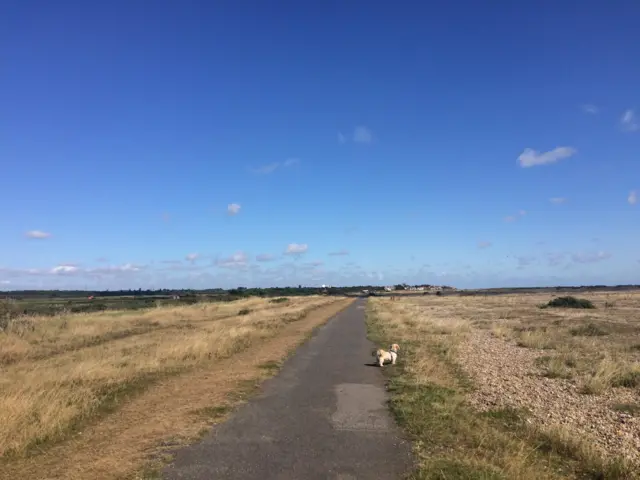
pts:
[590, 108]
[629, 122]
[558, 200]
[590, 257]
[341, 138]
[237, 260]
[484, 244]
[362, 135]
[632, 198]
[233, 208]
[296, 248]
[339, 253]
[64, 269]
[192, 257]
[5, 282]
[531, 158]
[37, 234]
[264, 257]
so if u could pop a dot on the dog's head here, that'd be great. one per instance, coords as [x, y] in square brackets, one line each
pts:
[395, 347]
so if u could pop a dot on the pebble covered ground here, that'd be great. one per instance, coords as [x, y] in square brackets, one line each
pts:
[506, 375]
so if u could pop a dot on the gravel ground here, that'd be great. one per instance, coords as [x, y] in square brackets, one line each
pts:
[506, 376]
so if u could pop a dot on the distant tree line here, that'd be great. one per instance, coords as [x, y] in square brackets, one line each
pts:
[169, 293]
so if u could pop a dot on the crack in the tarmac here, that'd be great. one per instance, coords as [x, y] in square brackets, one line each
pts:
[323, 417]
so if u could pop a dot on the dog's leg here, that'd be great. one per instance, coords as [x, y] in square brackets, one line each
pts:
[380, 361]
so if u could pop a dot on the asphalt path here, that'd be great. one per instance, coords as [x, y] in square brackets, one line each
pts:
[324, 416]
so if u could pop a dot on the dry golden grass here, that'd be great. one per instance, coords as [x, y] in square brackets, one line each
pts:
[57, 373]
[599, 348]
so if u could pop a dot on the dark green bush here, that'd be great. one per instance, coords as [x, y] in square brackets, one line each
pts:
[244, 311]
[570, 302]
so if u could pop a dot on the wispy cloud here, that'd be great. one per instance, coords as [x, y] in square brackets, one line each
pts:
[513, 218]
[290, 162]
[272, 167]
[362, 135]
[38, 234]
[632, 198]
[115, 269]
[296, 248]
[558, 200]
[265, 257]
[531, 158]
[314, 264]
[233, 208]
[237, 260]
[525, 260]
[484, 244]
[629, 122]
[555, 259]
[192, 257]
[590, 108]
[266, 169]
[590, 257]
[339, 253]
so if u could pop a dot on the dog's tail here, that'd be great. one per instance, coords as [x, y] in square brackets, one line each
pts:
[376, 352]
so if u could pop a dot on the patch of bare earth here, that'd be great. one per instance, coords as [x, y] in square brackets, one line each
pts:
[173, 412]
[507, 375]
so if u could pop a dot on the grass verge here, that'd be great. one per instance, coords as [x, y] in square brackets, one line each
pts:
[451, 439]
[101, 361]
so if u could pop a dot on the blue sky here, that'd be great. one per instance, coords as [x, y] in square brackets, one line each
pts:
[206, 144]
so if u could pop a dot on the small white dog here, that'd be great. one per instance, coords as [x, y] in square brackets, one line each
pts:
[384, 356]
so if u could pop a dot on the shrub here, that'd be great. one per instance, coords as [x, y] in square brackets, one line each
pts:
[570, 302]
[244, 311]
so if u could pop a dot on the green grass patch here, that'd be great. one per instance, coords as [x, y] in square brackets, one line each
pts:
[279, 300]
[271, 366]
[214, 412]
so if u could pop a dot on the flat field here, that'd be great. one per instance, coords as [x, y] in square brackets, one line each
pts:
[92, 395]
[502, 387]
